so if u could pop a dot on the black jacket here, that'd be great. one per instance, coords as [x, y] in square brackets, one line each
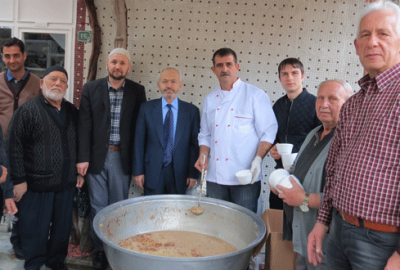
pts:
[6, 188]
[95, 123]
[295, 120]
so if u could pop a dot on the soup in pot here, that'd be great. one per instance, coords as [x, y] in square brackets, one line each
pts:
[177, 244]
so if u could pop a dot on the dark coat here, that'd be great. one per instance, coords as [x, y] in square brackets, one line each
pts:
[295, 120]
[6, 188]
[149, 144]
[95, 123]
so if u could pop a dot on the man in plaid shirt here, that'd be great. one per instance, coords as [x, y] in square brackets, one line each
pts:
[107, 120]
[362, 193]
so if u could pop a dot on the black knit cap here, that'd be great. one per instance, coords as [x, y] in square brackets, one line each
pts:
[55, 68]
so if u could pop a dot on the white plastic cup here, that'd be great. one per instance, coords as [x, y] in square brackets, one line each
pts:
[244, 177]
[287, 160]
[285, 182]
[276, 177]
[284, 148]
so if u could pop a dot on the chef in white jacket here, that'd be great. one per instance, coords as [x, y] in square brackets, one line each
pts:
[238, 127]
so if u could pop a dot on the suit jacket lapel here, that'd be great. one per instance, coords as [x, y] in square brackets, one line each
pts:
[158, 120]
[106, 98]
[180, 125]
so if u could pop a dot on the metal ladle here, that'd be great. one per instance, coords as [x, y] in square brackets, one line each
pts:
[198, 210]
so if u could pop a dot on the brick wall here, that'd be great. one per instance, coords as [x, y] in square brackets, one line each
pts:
[79, 52]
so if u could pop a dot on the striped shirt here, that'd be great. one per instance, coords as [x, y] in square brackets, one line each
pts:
[115, 111]
[363, 164]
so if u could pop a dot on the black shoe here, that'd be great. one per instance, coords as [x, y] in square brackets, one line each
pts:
[18, 251]
[100, 260]
[58, 266]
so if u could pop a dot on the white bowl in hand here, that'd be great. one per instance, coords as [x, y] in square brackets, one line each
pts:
[285, 182]
[276, 177]
[244, 177]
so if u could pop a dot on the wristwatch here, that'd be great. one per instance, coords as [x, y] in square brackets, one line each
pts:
[304, 204]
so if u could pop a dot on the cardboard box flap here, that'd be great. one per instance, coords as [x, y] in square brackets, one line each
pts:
[279, 254]
[258, 248]
[274, 220]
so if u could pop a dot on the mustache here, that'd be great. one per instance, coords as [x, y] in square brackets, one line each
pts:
[166, 89]
[324, 111]
[225, 74]
[56, 88]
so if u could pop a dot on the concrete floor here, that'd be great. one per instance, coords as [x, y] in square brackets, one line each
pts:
[8, 261]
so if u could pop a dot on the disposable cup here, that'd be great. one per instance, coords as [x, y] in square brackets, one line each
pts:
[276, 177]
[284, 148]
[285, 182]
[288, 159]
[244, 177]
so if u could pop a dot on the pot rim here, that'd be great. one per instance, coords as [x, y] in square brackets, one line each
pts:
[100, 216]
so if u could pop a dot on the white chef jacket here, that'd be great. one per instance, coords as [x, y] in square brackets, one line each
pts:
[233, 124]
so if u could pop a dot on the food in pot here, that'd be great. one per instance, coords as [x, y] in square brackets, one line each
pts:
[177, 244]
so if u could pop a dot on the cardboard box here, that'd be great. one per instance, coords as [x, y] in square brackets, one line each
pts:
[279, 254]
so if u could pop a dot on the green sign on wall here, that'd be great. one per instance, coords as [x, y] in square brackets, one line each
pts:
[85, 36]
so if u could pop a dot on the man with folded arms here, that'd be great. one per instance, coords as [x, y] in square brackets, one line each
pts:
[362, 197]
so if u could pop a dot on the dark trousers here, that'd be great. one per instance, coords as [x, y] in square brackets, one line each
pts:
[45, 225]
[354, 248]
[275, 202]
[15, 238]
[167, 180]
[243, 195]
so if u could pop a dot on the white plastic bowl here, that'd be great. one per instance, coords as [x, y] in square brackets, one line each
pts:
[276, 177]
[285, 182]
[244, 177]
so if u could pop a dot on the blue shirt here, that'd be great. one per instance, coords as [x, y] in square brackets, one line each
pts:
[10, 77]
[174, 109]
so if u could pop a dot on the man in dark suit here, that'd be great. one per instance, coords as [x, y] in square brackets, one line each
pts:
[107, 120]
[166, 145]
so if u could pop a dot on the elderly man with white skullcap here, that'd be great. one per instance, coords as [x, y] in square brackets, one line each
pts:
[106, 129]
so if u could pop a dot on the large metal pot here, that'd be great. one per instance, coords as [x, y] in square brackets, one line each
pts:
[227, 221]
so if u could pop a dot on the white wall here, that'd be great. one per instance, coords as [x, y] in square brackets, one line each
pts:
[43, 16]
[184, 35]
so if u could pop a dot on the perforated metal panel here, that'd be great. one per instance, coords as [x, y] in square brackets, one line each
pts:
[185, 33]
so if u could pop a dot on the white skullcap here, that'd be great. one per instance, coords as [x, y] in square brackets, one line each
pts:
[120, 51]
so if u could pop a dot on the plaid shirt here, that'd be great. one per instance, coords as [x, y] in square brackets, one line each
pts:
[363, 164]
[115, 110]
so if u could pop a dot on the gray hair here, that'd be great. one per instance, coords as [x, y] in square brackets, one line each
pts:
[381, 6]
[159, 76]
[347, 88]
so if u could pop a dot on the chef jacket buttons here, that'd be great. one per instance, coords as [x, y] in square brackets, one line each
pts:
[217, 109]
[216, 125]
[217, 159]
[215, 141]
[229, 125]
[226, 159]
